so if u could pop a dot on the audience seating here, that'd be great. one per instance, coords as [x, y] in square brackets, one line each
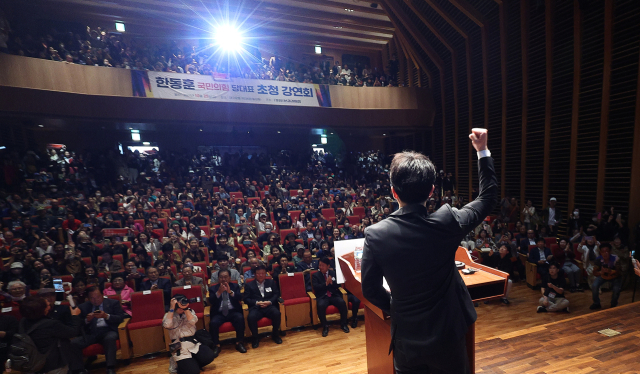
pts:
[122, 344]
[531, 271]
[331, 310]
[548, 242]
[145, 329]
[328, 213]
[284, 233]
[359, 211]
[354, 220]
[296, 308]
[236, 195]
[295, 214]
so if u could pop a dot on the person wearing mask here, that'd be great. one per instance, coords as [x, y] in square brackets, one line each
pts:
[327, 293]
[154, 282]
[49, 334]
[553, 285]
[190, 356]
[315, 244]
[262, 296]
[225, 298]
[101, 319]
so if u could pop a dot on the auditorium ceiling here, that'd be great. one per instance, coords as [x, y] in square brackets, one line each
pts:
[342, 24]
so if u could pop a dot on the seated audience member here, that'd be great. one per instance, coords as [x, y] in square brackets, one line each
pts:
[307, 263]
[528, 241]
[261, 296]
[553, 285]
[253, 263]
[154, 282]
[539, 256]
[226, 249]
[636, 266]
[314, 245]
[79, 290]
[225, 298]
[188, 261]
[131, 273]
[92, 277]
[50, 334]
[194, 251]
[328, 293]
[108, 264]
[165, 270]
[223, 264]
[355, 305]
[566, 258]
[274, 259]
[283, 267]
[251, 254]
[272, 243]
[297, 258]
[191, 356]
[119, 287]
[290, 244]
[606, 269]
[102, 317]
[501, 261]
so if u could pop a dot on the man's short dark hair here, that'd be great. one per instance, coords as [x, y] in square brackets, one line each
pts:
[412, 176]
[605, 245]
[540, 239]
[33, 307]
[92, 289]
[223, 258]
[554, 263]
[325, 260]
[260, 267]
[224, 271]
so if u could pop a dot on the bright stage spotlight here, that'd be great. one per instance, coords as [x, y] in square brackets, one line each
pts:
[229, 38]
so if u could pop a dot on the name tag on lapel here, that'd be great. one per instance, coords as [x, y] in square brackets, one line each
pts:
[268, 289]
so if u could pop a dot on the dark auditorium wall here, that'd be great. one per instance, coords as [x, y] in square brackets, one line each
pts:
[555, 82]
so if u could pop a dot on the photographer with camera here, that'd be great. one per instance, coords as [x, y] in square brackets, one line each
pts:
[188, 354]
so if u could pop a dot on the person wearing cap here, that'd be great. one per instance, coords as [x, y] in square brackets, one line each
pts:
[261, 296]
[297, 258]
[552, 216]
[57, 311]
[328, 292]
[225, 298]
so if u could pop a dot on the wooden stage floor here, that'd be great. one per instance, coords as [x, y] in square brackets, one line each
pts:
[509, 339]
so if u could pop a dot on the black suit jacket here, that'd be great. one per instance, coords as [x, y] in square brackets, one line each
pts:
[109, 306]
[431, 304]
[320, 287]
[252, 293]
[215, 302]
[524, 245]
[163, 284]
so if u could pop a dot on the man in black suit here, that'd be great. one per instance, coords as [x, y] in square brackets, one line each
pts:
[262, 296]
[225, 298]
[526, 242]
[327, 293]
[102, 317]
[540, 256]
[156, 283]
[431, 310]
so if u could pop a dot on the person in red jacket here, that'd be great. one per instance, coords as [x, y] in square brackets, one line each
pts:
[71, 223]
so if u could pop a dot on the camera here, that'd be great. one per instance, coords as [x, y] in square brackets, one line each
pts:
[183, 300]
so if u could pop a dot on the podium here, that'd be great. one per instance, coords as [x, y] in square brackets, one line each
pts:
[483, 285]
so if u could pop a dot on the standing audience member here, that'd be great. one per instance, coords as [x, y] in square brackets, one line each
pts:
[50, 335]
[606, 269]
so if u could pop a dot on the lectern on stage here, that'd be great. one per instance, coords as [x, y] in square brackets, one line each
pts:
[485, 284]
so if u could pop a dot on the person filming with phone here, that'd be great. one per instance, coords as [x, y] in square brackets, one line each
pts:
[188, 354]
[432, 309]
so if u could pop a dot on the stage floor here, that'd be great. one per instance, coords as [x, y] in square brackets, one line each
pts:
[569, 346]
[506, 342]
